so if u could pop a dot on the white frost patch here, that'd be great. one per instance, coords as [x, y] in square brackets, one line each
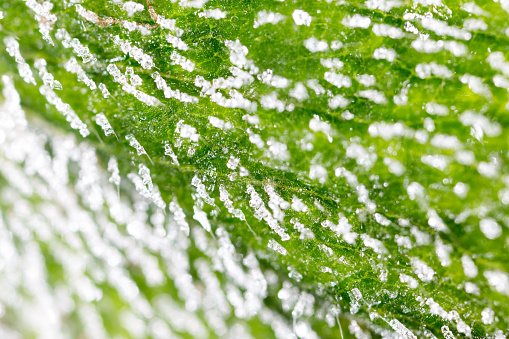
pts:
[443, 252]
[102, 121]
[298, 205]
[432, 46]
[182, 61]
[416, 191]
[318, 172]
[317, 125]
[442, 28]
[278, 150]
[267, 77]
[461, 190]
[338, 101]
[421, 237]
[355, 300]
[366, 79]
[383, 53]
[271, 101]
[356, 21]
[215, 13]
[388, 131]
[261, 212]
[73, 67]
[135, 52]
[477, 85]
[233, 163]
[401, 329]
[104, 90]
[305, 233]
[132, 7]
[473, 8]
[335, 45]
[362, 156]
[224, 196]
[425, 71]
[301, 18]
[388, 31]
[465, 157]
[47, 78]
[403, 241]
[490, 228]
[383, 5]
[489, 169]
[375, 244]
[361, 190]
[480, 124]
[435, 222]
[487, 316]
[274, 245]
[128, 88]
[238, 53]
[201, 217]
[187, 131]
[438, 161]
[264, 17]
[394, 166]
[219, 123]
[473, 24]
[192, 3]
[444, 141]
[314, 45]
[169, 152]
[373, 95]
[498, 280]
[342, 229]
[423, 271]
[201, 190]
[338, 80]
[251, 119]
[436, 309]
[469, 267]
[299, 92]
[472, 288]
[315, 86]
[447, 332]
[12, 47]
[178, 43]
[410, 281]
[170, 93]
[497, 62]
[434, 108]
[381, 219]
[133, 142]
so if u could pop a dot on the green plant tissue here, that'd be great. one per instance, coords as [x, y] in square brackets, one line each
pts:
[254, 169]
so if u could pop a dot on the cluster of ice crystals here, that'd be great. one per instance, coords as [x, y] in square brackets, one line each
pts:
[47, 78]
[301, 18]
[24, 70]
[170, 93]
[266, 17]
[73, 67]
[129, 88]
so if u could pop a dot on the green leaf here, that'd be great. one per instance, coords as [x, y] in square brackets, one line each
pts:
[266, 168]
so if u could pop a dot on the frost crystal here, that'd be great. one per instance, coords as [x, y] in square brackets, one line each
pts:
[277, 247]
[490, 228]
[401, 329]
[101, 120]
[23, 68]
[423, 271]
[301, 18]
